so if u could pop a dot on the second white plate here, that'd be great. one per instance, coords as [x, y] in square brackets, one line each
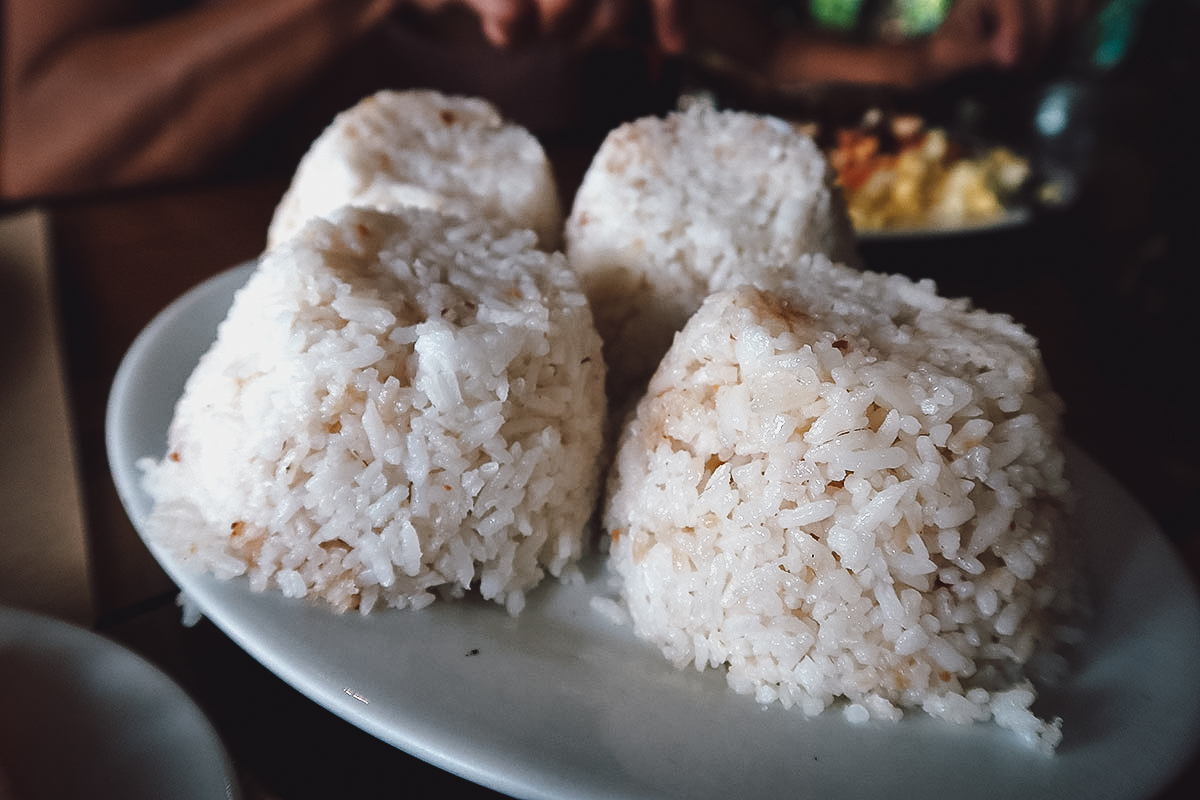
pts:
[83, 718]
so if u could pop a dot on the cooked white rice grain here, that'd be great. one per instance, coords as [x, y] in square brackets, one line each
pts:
[396, 405]
[848, 491]
[672, 209]
[428, 150]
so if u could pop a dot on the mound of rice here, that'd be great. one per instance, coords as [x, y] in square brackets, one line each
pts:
[850, 491]
[396, 406]
[428, 150]
[672, 209]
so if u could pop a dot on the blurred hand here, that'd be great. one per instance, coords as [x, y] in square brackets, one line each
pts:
[582, 23]
[1006, 34]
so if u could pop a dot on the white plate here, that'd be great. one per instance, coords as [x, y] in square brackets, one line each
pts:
[82, 717]
[560, 702]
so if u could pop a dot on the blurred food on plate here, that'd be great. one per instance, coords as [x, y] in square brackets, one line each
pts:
[899, 172]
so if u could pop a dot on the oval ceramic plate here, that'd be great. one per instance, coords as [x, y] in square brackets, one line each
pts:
[562, 702]
[82, 717]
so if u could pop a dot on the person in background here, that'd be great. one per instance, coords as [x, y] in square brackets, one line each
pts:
[102, 94]
[108, 94]
[789, 44]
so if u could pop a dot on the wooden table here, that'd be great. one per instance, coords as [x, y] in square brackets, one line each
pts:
[121, 259]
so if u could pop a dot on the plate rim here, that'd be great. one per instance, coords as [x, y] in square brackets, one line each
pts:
[1010, 219]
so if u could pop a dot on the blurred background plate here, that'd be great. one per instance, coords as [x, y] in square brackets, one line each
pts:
[1010, 219]
[82, 718]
